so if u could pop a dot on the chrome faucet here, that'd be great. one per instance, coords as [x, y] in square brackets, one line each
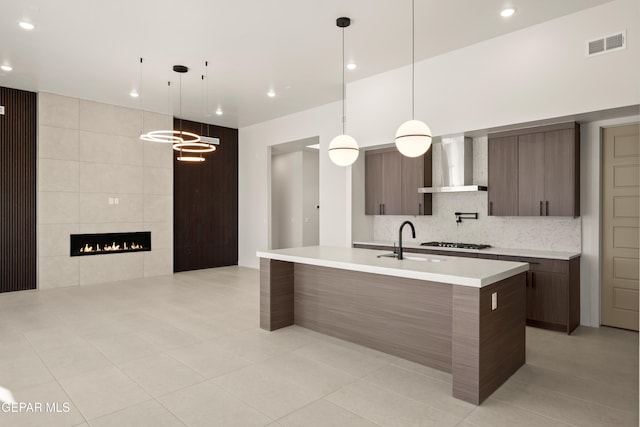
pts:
[413, 232]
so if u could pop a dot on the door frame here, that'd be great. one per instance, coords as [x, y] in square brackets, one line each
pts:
[601, 126]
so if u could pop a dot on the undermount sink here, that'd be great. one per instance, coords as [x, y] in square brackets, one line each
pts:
[412, 257]
[421, 258]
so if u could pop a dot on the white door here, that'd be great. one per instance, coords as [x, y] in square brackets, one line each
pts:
[620, 226]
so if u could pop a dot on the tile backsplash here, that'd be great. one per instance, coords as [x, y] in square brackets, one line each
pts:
[548, 233]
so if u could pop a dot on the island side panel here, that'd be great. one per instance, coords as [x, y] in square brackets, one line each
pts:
[404, 317]
[488, 345]
[276, 294]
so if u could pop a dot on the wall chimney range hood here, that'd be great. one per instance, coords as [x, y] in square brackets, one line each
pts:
[456, 167]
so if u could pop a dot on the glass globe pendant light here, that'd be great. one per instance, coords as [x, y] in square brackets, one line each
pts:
[343, 149]
[413, 137]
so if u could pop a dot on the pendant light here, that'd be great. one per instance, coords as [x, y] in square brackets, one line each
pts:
[343, 149]
[413, 138]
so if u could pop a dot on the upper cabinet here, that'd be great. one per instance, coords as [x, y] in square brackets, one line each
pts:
[392, 181]
[535, 171]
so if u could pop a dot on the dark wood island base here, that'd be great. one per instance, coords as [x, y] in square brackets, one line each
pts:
[448, 327]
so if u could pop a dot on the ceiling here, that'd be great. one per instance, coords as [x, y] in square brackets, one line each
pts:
[91, 49]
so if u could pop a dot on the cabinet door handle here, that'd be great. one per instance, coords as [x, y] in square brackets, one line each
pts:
[533, 280]
[547, 208]
[541, 208]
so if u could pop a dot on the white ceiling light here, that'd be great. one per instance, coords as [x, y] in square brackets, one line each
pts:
[271, 93]
[507, 12]
[219, 111]
[134, 94]
[413, 138]
[343, 149]
[6, 67]
[351, 66]
[26, 25]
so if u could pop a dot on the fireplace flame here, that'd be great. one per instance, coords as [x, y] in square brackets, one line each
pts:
[111, 248]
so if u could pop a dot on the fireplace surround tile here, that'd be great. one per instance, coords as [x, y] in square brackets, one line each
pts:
[58, 143]
[58, 271]
[53, 239]
[158, 181]
[112, 268]
[158, 262]
[59, 111]
[109, 119]
[110, 178]
[113, 149]
[56, 207]
[95, 207]
[58, 175]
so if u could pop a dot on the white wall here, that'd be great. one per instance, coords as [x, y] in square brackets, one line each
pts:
[89, 152]
[534, 74]
[590, 208]
[253, 179]
[286, 200]
[310, 197]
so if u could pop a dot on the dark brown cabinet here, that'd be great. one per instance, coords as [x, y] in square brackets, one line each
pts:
[503, 176]
[535, 171]
[553, 286]
[383, 178]
[553, 292]
[392, 181]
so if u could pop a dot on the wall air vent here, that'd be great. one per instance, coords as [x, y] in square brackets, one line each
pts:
[606, 44]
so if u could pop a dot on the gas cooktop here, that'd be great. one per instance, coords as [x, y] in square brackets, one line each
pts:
[455, 245]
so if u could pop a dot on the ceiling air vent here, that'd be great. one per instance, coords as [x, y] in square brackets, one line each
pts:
[606, 44]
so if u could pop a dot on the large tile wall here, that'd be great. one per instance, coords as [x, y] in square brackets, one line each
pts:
[89, 152]
[551, 233]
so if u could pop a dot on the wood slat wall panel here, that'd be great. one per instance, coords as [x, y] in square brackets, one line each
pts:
[205, 203]
[18, 193]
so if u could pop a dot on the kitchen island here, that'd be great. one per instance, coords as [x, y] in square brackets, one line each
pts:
[459, 315]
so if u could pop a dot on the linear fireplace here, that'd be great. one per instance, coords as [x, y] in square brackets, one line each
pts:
[110, 243]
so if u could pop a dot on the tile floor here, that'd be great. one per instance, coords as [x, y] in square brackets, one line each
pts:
[186, 350]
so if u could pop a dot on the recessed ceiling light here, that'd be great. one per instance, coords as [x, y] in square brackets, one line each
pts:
[271, 93]
[351, 66]
[507, 12]
[134, 94]
[26, 25]
[219, 111]
[6, 67]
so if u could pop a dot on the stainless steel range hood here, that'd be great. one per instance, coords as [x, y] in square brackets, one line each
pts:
[456, 167]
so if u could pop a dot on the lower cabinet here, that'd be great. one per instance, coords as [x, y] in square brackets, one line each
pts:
[553, 286]
[553, 292]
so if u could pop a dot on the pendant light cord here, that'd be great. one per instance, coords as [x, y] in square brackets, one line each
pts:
[140, 97]
[344, 88]
[413, 60]
[181, 104]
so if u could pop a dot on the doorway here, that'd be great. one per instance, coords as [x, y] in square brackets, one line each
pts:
[295, 193]
[620, 225]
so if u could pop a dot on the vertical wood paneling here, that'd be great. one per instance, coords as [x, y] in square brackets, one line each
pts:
[205, 203]
[488, 345]
[18, 157]
[276, 294]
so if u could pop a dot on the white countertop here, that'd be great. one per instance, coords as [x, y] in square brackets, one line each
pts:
[530, 253]
[472, 272]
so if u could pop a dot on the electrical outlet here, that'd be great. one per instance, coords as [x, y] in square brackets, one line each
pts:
[116, 201]
[494, 301]
[110, 200]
